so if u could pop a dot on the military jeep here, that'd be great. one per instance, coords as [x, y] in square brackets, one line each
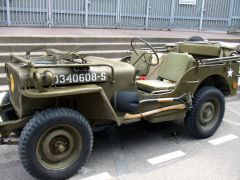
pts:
[56, 100]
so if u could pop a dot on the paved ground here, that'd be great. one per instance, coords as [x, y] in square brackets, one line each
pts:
[23, 31]
[146, 151]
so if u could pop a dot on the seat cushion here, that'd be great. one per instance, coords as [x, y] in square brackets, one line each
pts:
[174, 65]
[154, 85]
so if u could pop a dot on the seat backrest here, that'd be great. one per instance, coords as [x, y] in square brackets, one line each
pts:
[141, 67]
[174, 65]
[200, 49]
[228, 48]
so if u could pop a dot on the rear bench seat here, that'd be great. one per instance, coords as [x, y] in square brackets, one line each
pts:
[200, 49]
[212, 49]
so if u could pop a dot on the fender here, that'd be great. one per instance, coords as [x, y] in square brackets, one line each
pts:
[92, 89]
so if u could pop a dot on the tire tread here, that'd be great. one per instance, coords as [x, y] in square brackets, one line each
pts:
[41, 118]
[190, 120]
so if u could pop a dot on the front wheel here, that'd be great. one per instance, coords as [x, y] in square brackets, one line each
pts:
[55, 143]
[207, 112]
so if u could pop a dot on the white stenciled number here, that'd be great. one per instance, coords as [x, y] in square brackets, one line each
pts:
[69, 78]
[81, 77]
[62, 79]
[75, 78]
[87, 77]
[103, 76]
[56, 79]
[94, 76]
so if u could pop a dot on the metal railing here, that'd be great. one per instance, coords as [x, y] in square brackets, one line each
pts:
[139, 14]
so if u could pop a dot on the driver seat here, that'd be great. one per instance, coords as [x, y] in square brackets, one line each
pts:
[172, 68]
[141, 67]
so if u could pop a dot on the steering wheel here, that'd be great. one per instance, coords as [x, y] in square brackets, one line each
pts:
[135, 46]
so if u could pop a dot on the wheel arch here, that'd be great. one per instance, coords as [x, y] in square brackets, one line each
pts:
[96, 107]
[217, 81]
[90, 100]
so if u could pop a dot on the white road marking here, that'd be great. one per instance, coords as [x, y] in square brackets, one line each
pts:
[232, 122]
[223, 139]
[102, 176]
[166, 157]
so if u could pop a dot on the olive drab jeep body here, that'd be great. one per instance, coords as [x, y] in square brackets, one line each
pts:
[56, 100]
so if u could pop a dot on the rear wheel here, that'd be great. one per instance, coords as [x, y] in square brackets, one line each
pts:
[55, 143]
[207, 112]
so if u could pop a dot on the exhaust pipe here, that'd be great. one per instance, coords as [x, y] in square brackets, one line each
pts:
[155, 111]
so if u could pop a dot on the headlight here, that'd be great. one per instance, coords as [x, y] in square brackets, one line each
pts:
[43, 79]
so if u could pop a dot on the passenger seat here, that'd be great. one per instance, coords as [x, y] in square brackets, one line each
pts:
[172, 68]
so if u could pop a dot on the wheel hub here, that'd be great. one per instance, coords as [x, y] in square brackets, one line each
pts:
[207, 112]
[61, 148]
[58, 147]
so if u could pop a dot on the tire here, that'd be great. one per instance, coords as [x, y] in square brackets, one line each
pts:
[8, 115]
[196, 38]
[55, 143]
[207, 113]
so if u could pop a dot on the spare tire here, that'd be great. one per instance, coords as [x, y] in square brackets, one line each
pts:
[196, 38]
